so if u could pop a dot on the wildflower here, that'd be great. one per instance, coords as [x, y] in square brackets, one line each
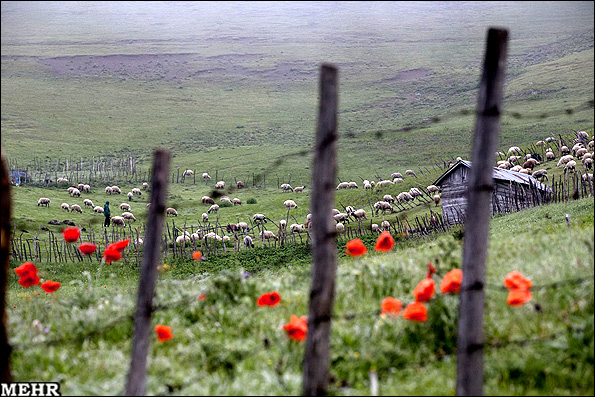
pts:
[269, 299]
[519, 296]
[202, 297]
[196, 255]
[424, 290]
[515, 279]
[451, 282]
[163, 333]
[71, 234]
[87, 248]
[28, 274]
[385, 242]
[355, 247]
[391, 306]
[416, 311]
[50, 286]
[166, 266]
[118, 245]
[297, 328]
[111, 255]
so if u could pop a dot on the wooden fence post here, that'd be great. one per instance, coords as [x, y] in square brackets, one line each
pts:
[137, 376]
[481, 185]
[6, 211]
[324, 259]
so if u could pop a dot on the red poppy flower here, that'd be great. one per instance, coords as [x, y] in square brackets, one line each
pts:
[519, 296]
[415, 311]
[424, 290]
[515, 279]
[391, 306]
[26, 269]
[297, 328]
[385, 242]
[431, 270]
[111, 255]
[118, 245]
[87, 248]
[202, 297]
[71, 234]
[355, 247]
[50, 286]
[163, 333]
[451, 282]
[196, 255]
[29, 280]
[269, 299]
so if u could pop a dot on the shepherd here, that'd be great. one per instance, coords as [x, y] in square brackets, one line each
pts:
[107, 214]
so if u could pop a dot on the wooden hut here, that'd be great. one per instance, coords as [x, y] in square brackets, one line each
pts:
[513, 191]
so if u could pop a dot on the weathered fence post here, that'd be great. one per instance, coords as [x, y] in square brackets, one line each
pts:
[137, 376]
[324, 259]
[6, 211]
[480, 188]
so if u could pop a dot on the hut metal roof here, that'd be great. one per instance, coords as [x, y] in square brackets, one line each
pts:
[499, 174]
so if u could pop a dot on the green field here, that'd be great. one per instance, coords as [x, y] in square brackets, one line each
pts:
[231, 88]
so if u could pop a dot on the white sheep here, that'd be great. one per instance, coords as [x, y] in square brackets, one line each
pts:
[382, 206]
[243, 226]
[98, 209]
[118, 220]
[415, 192]
[385, 182]
[196, 236]
[145, 185]
[65, 207]
[353, 185]
[130, 196]
[385, 225]
[286, 187]
[75, 192]
[299, 189]
[571, 165]
[240, 185]
[375, 228]
[237, 201]
[340, 228]
[290, 204]
[367, 186]
[187, 173]
[410, 172]
[205, 217]
[549, 156]
[80, 186]
[116, 190]
[334, 211]
[550, 139]
[62, 180]
[359, 214]
[268, 235]
[587, 177]
[88, 203]
[516, 168]
[343, 185]
[212, 236]
[225, 199]
[109, 190]
[513, 150]
[259, 218]
[213, 208]
[433, 189]
[171, 211]
[564, 150]
[220, 185]
[341, 217]
[388, 198]
[207, 200]
[396, 175]
[43, 201]
[76, 207]
[136, 191]
[248, 243]
[125, 206]
[296, 228]
[183, 239]
[129, 216]
[581, 152]
[436, 199]
[206, 176]
[282, 225]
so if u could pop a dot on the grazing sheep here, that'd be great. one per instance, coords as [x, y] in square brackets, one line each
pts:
[208, 200]
[76, 207]
[383, 206]
[237, 201]
[396, 175]
[514, 159]
[353, 185]
[43, 201]
[259, 218]
[367, 186]
[513, 150]
[591, 144]
[225, 199]
[232, 228]
[415, 192]
[187, 173]
[206, 176]
[527, 157]
[549, 156]
[145, 185]
[341, 217]
[240, 185]
[375, 228]
[500, 154]
[540, 174]
[587, 177]
[116, 190]
[582, 135]
[410, 172]
[385, 182]
[212, 236]
[290, 204]
[433, 189]
[243, 226]
[436, 199]
[196, 236]
[62, 180]
[540, 143]
[564, 150]
[75, 192]
[118, 221]
[530, 163]
[385, 225]
[550, 139]
[88, 203]
[564, 160]
[266, 234]
[571, 165]
[296, 228]
[505, 164]
[398, 180]
[226, 239]
[388, 198]
[248, 243]
[109, 190]
[171, 211]
[80, 186]
[286, 187]
[588, 163]
[220, 185]
[343, 185]
[525, 171]
[125, 206]
[213, 208]
[340, 228]
[404, 197]
[137, 192]
[359, 214]
[299, 189]
[334, 212]
[516, 168]
[128, 216]
[183, 239]
[349, 209]
[130, 196]
[86, 188]
[205, 217]
[581, 152]
[98, 209]
[282, 225]
[65, 207]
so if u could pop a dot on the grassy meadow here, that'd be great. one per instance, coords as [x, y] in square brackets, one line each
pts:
[231, 88]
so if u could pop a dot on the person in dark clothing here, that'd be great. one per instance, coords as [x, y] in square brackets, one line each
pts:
[107, 214]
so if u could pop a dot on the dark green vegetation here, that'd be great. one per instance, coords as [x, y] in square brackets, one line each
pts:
[232, 86]
[225, 344]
